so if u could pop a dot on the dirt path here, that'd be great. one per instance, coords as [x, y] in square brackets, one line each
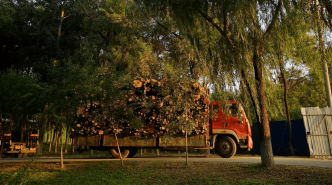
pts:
[298, 161]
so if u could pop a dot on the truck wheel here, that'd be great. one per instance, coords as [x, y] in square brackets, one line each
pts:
[226, 147]
[115, 153]
[132, 152]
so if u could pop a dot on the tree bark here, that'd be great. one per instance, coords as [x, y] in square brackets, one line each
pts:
[263, 127]
[290, 136]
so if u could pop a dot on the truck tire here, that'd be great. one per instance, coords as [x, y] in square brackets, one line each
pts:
[115, 153]
[132, 152]
[225, 147]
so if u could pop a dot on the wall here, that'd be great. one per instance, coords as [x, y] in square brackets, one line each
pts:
[279, 138]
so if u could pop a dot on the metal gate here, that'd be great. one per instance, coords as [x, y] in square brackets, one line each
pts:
[318, 126]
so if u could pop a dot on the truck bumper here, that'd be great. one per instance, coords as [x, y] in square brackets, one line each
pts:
[250, 143]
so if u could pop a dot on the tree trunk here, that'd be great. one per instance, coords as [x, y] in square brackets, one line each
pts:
[323, 58]
[50, 143]
[186, 146]
[41, 140]
[72, 146]
[251, 94]
[66, 144]
[290, 141]
[117, 142]
[263, 126]
[54, 136]
[48, 133]
[61, 149]
[22, 132]
[56, 142]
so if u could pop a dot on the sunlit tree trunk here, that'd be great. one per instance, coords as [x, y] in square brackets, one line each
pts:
[263, 126]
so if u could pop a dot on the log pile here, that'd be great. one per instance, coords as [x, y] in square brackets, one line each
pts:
[159, 107]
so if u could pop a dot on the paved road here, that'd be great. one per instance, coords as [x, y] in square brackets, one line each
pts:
[239, 159]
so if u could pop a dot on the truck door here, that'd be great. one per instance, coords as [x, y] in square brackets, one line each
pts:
[233, 119]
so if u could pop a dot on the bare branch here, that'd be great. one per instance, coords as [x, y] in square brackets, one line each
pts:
[175, 34]
[222, 32]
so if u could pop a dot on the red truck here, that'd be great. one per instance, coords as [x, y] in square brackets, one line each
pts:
[228, 130]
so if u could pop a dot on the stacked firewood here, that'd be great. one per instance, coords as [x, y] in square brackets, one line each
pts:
[159, 107]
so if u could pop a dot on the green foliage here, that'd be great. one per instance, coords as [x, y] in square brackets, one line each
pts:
[104, 45]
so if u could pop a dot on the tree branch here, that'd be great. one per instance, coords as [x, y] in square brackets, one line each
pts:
[222, 32]
[161, 25]
[274, 19]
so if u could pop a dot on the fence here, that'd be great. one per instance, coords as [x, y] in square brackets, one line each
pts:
[279, 138]
[318, 128]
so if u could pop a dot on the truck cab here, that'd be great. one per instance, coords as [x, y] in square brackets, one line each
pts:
[229, 128]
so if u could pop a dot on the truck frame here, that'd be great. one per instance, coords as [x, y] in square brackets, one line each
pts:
[228, 130]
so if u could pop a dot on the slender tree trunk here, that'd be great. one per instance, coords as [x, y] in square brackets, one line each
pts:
[186, 146]
[41, 140]
[50, 143]
[48, 133]
[72, 146]
[290, 141]
[56, 141]
[22, 131]
[323, 57]
[117, 142]
[66, 144]
[61, 149]
[263, 127]
[251, 94]
[54, 136]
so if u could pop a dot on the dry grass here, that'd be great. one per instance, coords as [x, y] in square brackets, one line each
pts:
[143, 172]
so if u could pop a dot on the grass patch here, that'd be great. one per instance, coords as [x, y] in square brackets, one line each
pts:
[159, 172]
[254, 167]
